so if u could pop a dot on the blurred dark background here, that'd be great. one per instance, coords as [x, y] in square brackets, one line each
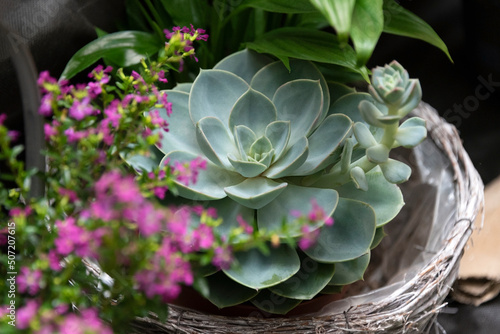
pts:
[466, 92]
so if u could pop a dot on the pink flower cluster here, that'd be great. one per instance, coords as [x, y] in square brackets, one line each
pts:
[188, 172]
[73, 238]
[310, 232]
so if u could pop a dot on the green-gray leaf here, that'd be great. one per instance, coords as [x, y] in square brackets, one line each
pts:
[349, 237]
[255, 192]
[136, 44]
[224, 292]
[244, 63]
[402, 22]
[396, 171]
[339, 15]
[272, 303]
[411, 133]
[350, 271]
[256, 270]
[367, 25]
[282, 6]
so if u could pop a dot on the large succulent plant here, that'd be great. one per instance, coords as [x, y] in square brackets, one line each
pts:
[279, 141]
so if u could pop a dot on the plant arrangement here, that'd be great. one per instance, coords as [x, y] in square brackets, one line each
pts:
[264, 173]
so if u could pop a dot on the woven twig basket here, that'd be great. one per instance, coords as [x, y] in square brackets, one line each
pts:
[411, 273]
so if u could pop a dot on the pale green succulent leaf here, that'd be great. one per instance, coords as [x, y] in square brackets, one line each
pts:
[389, 119]
[300, 102]
[324, 142]
[183, 87]
[349, 237]
[278, 134]
[378, 154]
[214, 93]
[255, 192]
[379, 235]
[367, 26]
[247, 168]
[210, 183]
[350, 271]
[359, 178]
[267, 158]
[254, 110]
[272, 303]
[245, 137]
[182, 131]
[337, 90]
[274, 75]
[228, 210]
[261, 146]
[219, 285]
[413, 99]
[370, 113]
[244, 63]
[146, 162]
[346, 157]
[307, 282]
[363, 135]
[387, 206]
[411, 133]
[215, 141]
[295, 199]
[395, 171]
[348, 105]
[290, 161]
[339, 14]
[256, 270]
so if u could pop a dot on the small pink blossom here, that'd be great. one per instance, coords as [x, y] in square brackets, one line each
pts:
[54, 260]
[45, 108]
[27, 313]
[29, 280]
[246, 227]
[309, 237]
[74, 136]
[49, 130]
[84, 323]
[81, 109]
[188, 172]
[223, 257]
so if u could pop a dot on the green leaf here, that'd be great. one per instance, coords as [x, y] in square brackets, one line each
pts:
[349, 237]
[350, 271]
[292, 199]
[215, 141]
[300, 102]
[349, 106]
[272, 303]
[224, 292]
[339, 14]
[281, 6]
[210, 183]
[325, 140]
[255, 192]
[214, 93]
[254, 110]
[307, 282]
[379, 235]
[256, 270]
[395, 171]
[228, 210]
[247, 168]
[244, 63]
[306, 44]
[367, 26]
[186, 12]
[378, 153]
[402, 22]
[332, 289]
[290, 161]
[125, 47]
[278, 134]
[358, 176]
[383, 197]
[182, 132]
[363, 135]
[337, 90]
[411, 133]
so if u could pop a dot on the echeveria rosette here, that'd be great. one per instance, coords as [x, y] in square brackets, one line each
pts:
[268, 135]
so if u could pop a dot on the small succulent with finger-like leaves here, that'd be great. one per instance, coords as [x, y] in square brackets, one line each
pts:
[280, 143]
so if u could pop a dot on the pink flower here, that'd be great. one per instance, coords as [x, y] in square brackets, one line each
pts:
[29, 280]
[26, 313]
[204, 236]
[222, 257]
[308, 237]
[49, 130]
[74, 136]
[70, 194]
[85, 323]
[188, 173]
[94, 89]
[73, 238]
[54, 260]
[246, 227]
[318, 214]
[3, 117]
[45, 108]
[81, 109]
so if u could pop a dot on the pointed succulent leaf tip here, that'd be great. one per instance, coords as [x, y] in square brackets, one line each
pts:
[260, 147]
[327, 138]
[290, 161]
[370, 113]
[350, 271]
[359, 178]
[245, 137]
[244, 64]
[395, 171]
[296, 199]
[210, 182]
[301, 103]
[413, 98]
[411, 133]
[278, 134]
[274, 75]
[215, 141]
[214, 93]
[254, 110]
[363, 135]
[255, 192]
